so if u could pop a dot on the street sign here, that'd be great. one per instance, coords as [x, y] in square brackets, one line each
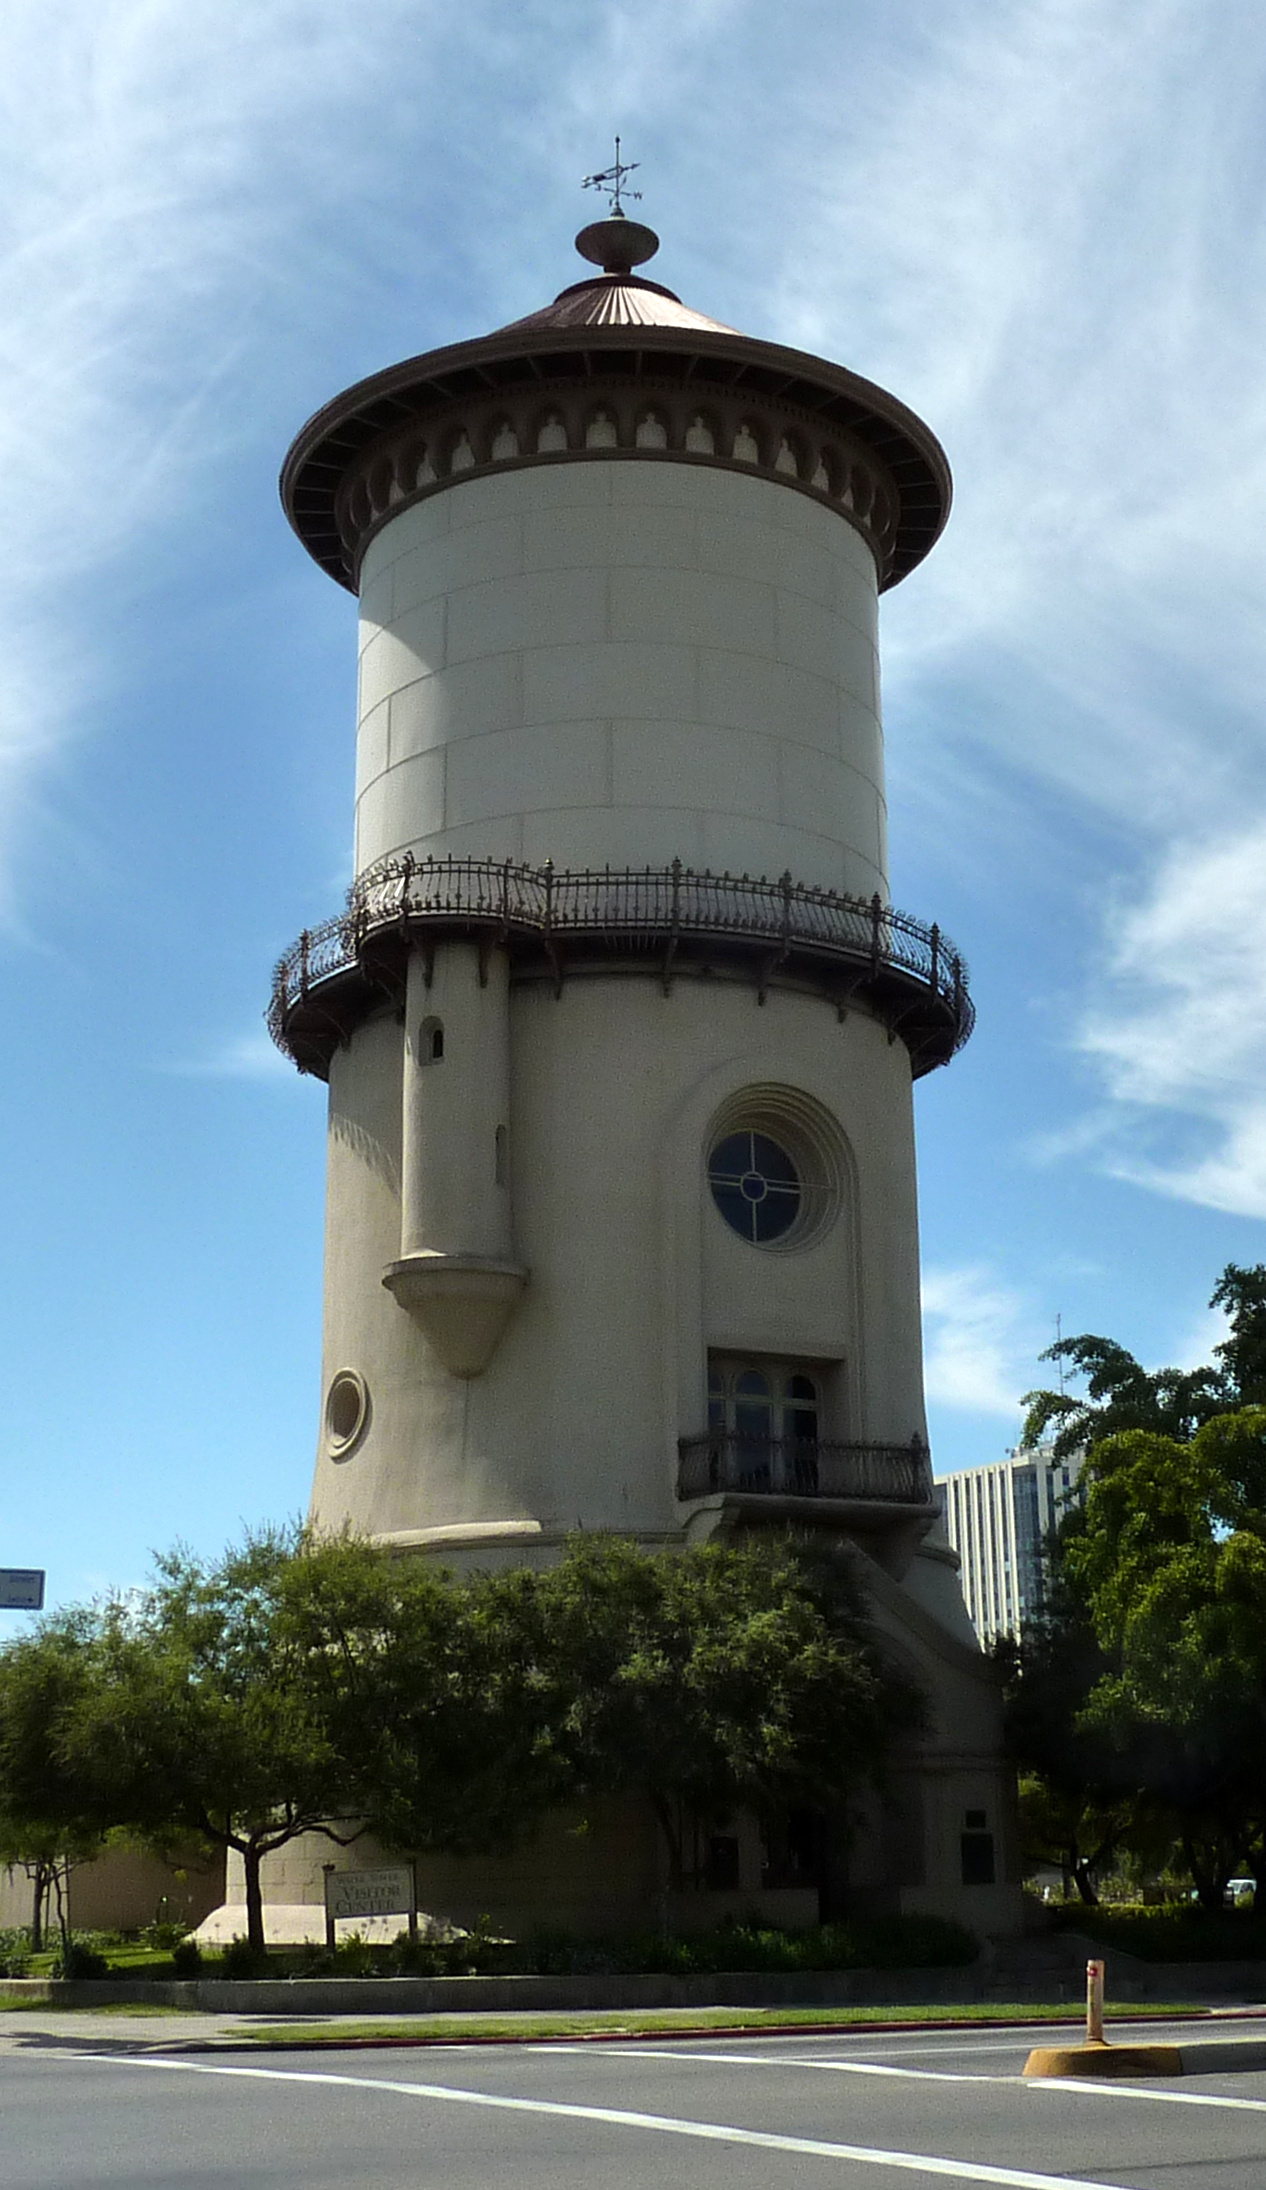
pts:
[21, 1588]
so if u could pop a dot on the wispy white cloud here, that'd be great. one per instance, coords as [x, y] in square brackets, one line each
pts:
[1044, 225]
[1178, 1031]
[154, 157]
[1042, 222]
[978, 1342]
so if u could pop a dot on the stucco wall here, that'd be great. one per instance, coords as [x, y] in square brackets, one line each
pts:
[621, 665]
[633, 1274]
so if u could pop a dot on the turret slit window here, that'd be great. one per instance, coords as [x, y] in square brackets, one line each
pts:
[430, 1041]
[501, 1157]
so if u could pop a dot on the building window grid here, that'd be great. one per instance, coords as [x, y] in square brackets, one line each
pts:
[998, 1518]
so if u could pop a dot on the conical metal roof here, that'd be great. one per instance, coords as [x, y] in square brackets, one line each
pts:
[424, 425]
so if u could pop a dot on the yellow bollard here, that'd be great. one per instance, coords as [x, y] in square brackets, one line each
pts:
[1096, 2057]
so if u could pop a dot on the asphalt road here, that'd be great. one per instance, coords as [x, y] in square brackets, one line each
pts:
[861, 2112]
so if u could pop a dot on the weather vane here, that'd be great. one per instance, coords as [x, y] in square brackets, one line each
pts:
[612, 180]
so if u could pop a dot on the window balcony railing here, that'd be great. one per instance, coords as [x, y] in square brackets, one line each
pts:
[808, 1467]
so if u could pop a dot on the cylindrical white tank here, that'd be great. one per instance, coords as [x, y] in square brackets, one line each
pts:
[620, 664]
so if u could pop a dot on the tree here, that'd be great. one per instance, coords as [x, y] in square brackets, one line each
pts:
[1242, 1293]
[300, 1684]
[441, 1698]
[1122, 1395]
[1077, 1806]
[203, 1717]
[311, 1685]
[1172, 1564]
[731, 1676]
[50, 1819]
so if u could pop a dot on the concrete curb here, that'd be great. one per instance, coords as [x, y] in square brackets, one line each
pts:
[371, 1996]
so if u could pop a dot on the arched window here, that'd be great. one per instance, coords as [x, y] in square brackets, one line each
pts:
[764, 1423]
[430, 1041]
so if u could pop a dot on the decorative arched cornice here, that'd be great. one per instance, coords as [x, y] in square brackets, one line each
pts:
[524, 397]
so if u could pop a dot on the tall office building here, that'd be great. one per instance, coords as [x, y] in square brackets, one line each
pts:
[998, 1519]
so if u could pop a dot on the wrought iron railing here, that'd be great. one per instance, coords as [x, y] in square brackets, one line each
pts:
[723, 1460]
[653, 909]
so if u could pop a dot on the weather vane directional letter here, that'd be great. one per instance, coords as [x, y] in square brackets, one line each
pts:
[612, 180]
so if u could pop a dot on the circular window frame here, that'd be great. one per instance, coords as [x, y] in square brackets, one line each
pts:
[345, 1385]
[810, 1138]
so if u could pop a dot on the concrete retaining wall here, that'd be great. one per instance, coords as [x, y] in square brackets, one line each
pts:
[1245, 1981]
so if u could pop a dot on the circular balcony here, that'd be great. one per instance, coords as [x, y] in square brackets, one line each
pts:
[857, 952]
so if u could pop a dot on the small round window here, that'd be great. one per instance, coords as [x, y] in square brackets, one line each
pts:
[755, 1185]
[346, 1411]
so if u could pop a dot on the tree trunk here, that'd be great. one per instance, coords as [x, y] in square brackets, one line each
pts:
[1084, 1883]
[1210, 1863]
[39, 1893]
[252, 1857]
[672, 1839]
[60, 1880]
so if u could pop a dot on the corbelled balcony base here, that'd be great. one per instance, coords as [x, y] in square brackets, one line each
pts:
[463, 1303]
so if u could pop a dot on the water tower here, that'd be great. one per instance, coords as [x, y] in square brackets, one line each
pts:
[620, 1027]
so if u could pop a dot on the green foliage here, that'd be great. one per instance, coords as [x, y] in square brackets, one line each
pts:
[186, 1958]
[243, 1959]
[1178, 1932]
[165, 1933]
[896, 1942]
[1170, 1563]
[733, 1676]
[15, 1951]
[1174, 1403]
[1164, 1578]
[305, 1684]
[232, 1701]
[81, 1958]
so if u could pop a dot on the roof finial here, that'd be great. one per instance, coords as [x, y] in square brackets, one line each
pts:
[611, 180]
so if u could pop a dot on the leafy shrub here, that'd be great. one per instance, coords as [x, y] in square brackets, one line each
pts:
[186, 1958]
[15, 1951]
[241, 1959]
[166, 1935]
[916, 1942]
[897, 1942]
[1179, 1932]
[81, 1959]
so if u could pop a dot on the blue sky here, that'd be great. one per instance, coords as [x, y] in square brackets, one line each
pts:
[1037, 223]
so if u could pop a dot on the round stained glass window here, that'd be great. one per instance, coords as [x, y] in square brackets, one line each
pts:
[755, 1185]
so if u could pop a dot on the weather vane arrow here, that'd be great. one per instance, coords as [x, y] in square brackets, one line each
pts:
[611, 180]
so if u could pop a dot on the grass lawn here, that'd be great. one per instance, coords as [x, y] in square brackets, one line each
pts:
[671, 2022]
[136, 1960]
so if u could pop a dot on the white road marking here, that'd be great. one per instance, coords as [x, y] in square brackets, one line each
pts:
[1112, 2090]
[911, 2163]
[781, 2060]
[1096, 2090]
